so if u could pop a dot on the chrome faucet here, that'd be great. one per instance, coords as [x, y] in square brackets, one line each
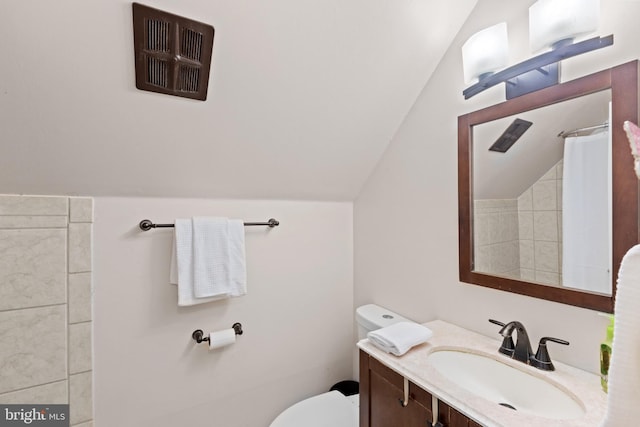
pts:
[523, 351]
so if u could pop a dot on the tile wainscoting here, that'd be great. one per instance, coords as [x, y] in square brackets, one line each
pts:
[45, 303]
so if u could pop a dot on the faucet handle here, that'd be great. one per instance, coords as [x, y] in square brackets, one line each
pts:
[544, 340]
[542, 360]
[507, 347]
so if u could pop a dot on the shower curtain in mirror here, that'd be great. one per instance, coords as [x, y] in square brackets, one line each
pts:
[586, 213]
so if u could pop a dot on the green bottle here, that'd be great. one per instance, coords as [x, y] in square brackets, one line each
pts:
[605, 355]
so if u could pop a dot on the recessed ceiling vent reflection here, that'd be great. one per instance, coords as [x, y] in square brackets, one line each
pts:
[510, 135]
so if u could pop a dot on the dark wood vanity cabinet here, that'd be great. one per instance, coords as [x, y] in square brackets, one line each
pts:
[381, 396]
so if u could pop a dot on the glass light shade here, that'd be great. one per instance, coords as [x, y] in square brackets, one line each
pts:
[551, 21]
[485, 52]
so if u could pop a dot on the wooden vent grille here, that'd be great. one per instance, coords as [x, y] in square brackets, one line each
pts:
[173, 54]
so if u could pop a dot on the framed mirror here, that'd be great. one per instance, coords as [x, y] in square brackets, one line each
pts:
[545, 211]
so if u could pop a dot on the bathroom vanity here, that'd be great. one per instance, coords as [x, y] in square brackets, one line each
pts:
[382, 394]
[423, 386]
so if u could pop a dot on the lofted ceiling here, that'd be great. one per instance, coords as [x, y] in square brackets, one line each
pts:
[508, 175]
[304, 97]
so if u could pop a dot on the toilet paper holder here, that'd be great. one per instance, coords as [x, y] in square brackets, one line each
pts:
[198, 334]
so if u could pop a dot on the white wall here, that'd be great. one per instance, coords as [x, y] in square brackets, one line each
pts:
[297, 316]
[292, 83]
[406, 228]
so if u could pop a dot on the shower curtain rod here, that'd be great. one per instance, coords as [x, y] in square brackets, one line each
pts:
[565, 134]
[146, 225]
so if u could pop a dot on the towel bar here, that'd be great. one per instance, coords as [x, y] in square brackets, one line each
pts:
[198, 334]
[146, 225]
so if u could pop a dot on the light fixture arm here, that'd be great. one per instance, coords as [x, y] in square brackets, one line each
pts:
[536, 63]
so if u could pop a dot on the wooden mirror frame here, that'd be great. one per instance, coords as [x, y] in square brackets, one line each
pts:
[623, 83]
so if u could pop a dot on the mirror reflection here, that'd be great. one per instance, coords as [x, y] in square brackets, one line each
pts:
[579, 103]
[542, 199]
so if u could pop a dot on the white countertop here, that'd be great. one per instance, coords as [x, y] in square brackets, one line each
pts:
[414, 366]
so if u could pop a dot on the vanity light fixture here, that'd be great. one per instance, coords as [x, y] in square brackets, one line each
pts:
[485, 52]
[552, 24]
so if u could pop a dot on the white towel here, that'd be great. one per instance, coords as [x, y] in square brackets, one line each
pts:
[624, 372]
[398, 338]
[237, 259]
[181, 271]
[210, 257]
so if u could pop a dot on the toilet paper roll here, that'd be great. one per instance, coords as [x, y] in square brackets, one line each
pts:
[223, 338]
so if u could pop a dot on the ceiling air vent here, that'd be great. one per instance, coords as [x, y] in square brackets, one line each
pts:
[510, 135]
[173, 54]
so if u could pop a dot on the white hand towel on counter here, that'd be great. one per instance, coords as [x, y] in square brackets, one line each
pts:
[624, 372]
[400, 337]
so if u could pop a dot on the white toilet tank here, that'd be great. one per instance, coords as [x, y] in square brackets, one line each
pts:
[333, 408]
[371, 317]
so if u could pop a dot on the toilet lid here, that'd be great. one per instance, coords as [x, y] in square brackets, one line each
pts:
[332, 409]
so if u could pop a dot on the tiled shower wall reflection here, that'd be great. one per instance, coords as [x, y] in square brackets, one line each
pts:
[45, 302]
[496, 237]
[540, 220]
[522, 238]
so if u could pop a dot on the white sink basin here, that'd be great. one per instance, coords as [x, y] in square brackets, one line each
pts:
[506, 385]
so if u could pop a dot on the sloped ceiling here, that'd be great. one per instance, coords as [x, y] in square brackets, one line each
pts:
[304, 97]
[508, 175]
